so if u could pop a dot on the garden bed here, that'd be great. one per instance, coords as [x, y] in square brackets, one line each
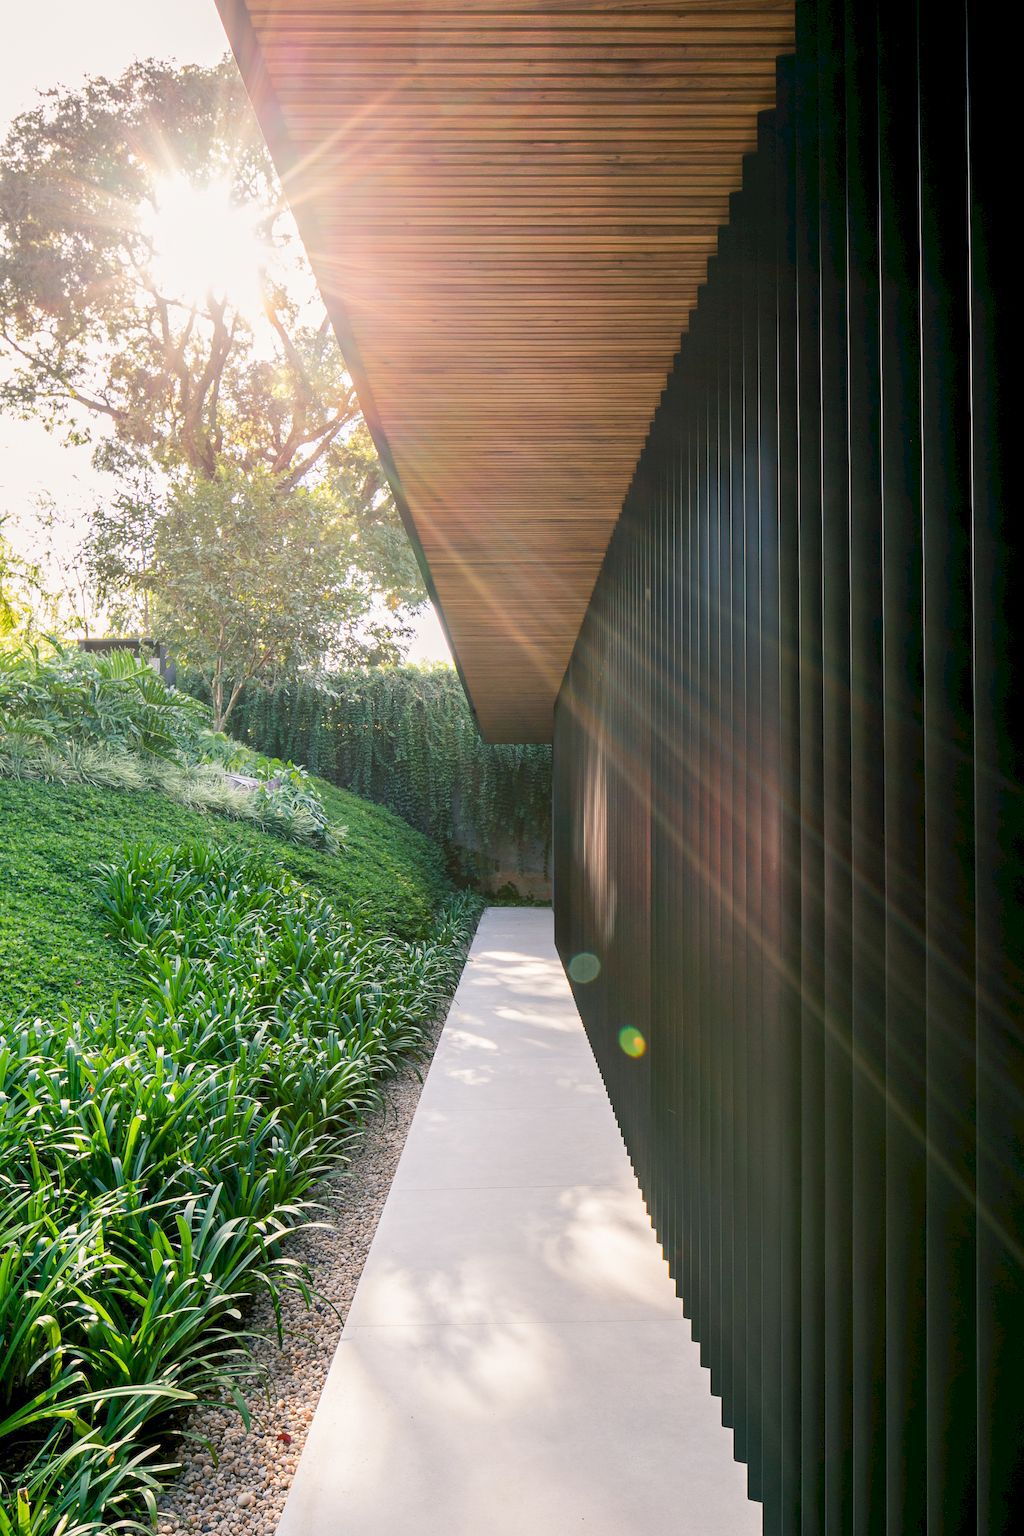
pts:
[160, 1150]
[204, 993]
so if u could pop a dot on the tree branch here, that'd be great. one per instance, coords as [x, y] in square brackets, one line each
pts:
[198, 446]
[62, 388]
[90, 404]
[302, 469]
[302, 387]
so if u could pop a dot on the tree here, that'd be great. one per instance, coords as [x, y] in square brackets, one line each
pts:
[155, 302]
[118, 551]
[250, 584]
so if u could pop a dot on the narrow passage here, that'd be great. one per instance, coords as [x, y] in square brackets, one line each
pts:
[515, 1361]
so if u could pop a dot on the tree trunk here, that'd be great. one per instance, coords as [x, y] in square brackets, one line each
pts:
[217, 700]
[232, 701]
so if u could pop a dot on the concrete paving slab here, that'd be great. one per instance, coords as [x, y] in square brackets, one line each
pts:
[519, 1430]
[523, 1145]
[507, 1082]
[515, 1362]
[582, 1253]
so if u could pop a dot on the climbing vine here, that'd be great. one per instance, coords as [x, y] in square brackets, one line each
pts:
[404, 737]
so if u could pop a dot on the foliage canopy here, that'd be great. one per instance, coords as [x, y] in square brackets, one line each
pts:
[404, 736]
[98, 330]
[173, 380]
[249, 583]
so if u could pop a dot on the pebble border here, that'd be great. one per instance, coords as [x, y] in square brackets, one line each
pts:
[242, 1491]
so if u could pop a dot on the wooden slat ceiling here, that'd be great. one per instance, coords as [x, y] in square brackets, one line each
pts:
[509, 208]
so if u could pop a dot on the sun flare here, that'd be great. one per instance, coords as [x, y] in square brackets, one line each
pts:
[204, 245]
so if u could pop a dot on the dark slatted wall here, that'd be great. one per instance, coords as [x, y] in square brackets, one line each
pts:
[788, 769]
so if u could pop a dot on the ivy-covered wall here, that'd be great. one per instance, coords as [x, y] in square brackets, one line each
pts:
[404, 737]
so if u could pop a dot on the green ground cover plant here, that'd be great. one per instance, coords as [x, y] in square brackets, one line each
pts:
[154, 1155]
[95, 752]
[55, 944]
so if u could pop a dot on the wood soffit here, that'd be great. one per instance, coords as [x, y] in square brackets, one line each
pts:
[509, 209]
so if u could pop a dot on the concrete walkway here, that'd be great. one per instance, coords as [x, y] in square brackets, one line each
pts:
[515, 1362]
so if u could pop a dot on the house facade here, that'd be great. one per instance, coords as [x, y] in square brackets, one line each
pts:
[684, 334]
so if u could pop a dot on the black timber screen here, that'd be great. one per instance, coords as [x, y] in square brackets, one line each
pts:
[787, 794]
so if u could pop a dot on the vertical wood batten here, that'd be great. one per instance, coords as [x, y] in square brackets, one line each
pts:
[812, 914]
[750, 1052]
[705, 1106]
[769, 1087]
[837, 1343]
[867, 778]
[787, 827]
[903, 751]
[998, 584]
[949, 779]
[730, 1319]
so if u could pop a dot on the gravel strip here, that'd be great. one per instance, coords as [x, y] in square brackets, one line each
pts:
[242, 1492]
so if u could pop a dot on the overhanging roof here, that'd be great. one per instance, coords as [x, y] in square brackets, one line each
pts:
[509, 208]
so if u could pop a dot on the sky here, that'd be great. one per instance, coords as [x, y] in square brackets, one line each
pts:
[60, 42]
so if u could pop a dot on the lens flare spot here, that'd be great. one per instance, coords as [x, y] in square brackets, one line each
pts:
[632, 1042]
[584, 967]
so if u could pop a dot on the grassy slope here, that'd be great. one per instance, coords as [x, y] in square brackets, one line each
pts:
[54, 946]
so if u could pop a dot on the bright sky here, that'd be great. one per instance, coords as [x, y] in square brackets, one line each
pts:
[60, 42]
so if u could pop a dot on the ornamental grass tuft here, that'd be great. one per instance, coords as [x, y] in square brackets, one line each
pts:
[108, 721]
